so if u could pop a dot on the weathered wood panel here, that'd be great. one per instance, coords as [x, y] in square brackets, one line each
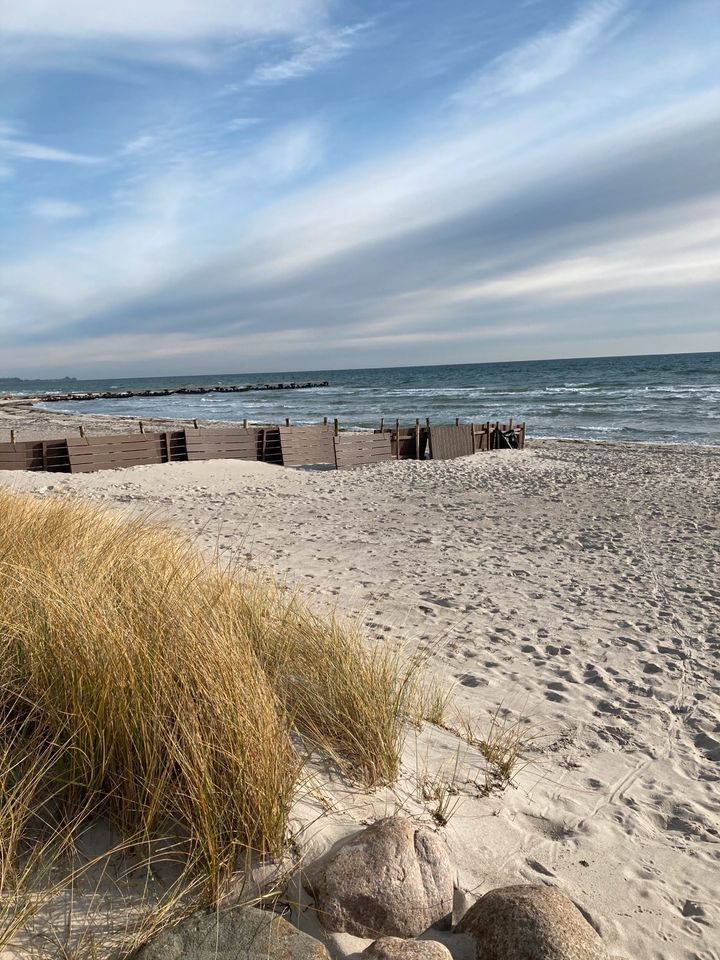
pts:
[481, 437]
[21, 455]
[173, 446]
[412, 447]
[270, 446]
[446, 443]
[113, 451]
[362, 449]
[307, 445]
[55, 456]
[238, 443]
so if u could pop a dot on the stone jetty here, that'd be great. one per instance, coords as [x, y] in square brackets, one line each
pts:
[166, 392]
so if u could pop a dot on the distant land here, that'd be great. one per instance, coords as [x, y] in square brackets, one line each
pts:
[26, 380]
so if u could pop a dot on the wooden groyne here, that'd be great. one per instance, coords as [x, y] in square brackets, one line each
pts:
[189, 391]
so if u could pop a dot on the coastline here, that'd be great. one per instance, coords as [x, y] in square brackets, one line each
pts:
[571, 586]
[32, 422]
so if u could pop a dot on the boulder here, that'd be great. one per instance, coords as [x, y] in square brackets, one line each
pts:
[529, 922]
[395, 948]
[242, 933]
[392, 879]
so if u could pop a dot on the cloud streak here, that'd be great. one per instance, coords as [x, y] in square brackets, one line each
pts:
[56, 211]
[12, 146]
[313, 53]
[549, 55]
[161, 20]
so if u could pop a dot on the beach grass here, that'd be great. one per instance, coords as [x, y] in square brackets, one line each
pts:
[170, 694]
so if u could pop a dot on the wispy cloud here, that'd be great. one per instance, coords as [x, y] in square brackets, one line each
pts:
[13, 146]
[312, 53]
[547, 56]
[160, 20]
[56, 211]
[241, 123]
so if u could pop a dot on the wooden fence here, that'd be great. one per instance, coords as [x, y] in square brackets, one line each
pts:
[223, 444]
[87, 454]
[307, 445]
[446, 443]
[362, 449]
[287, 445]
[50, 455]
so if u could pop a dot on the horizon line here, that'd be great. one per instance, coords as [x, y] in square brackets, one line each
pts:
[409, 366]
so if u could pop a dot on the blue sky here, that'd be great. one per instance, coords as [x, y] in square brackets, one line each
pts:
[216, 185]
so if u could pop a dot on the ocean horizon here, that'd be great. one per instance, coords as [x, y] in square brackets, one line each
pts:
[666, 398]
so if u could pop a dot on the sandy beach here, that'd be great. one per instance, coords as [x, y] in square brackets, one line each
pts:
[573, 586]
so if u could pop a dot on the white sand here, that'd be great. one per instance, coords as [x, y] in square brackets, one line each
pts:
[573, 584]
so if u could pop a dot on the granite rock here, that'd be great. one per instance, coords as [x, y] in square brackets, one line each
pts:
[529, 922]
[393, 879]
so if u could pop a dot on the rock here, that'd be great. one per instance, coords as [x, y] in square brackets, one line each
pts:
[243, 933]
[530, 923]
[395, 948]
[392, 879]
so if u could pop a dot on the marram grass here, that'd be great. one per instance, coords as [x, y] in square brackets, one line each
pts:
[163, 690]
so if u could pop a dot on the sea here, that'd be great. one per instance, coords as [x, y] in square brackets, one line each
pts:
[660, 398]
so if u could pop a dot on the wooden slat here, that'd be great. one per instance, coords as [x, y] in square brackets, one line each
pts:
[21, 455]
[174, 445]
[13, 456]
[240, 443]
[87, 454]
[447, 443]
[481, 437]
[408, 442]
[302, 446]
[270, 446]
[56, 457]
[362, 449]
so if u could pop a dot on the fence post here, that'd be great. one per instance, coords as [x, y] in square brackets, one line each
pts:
[324, 421]
[382, 424]
[142, 426]
[417, 438]
[336, 426]
[287, 421]
[430, 449]
[245, 424]
[397, 438]
[12, 437]
[195, 424]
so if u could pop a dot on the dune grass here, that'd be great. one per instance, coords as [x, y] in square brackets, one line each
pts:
[164, 692]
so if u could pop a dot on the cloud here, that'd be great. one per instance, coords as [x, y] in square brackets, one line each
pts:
[12, 146]
[157, 21]
[313, 53]
[545, 220]
[56, 210]
[562, 242]
[548, 56]
[241, 123]
[97, 37]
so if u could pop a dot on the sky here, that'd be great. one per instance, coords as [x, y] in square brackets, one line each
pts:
[199, 186]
